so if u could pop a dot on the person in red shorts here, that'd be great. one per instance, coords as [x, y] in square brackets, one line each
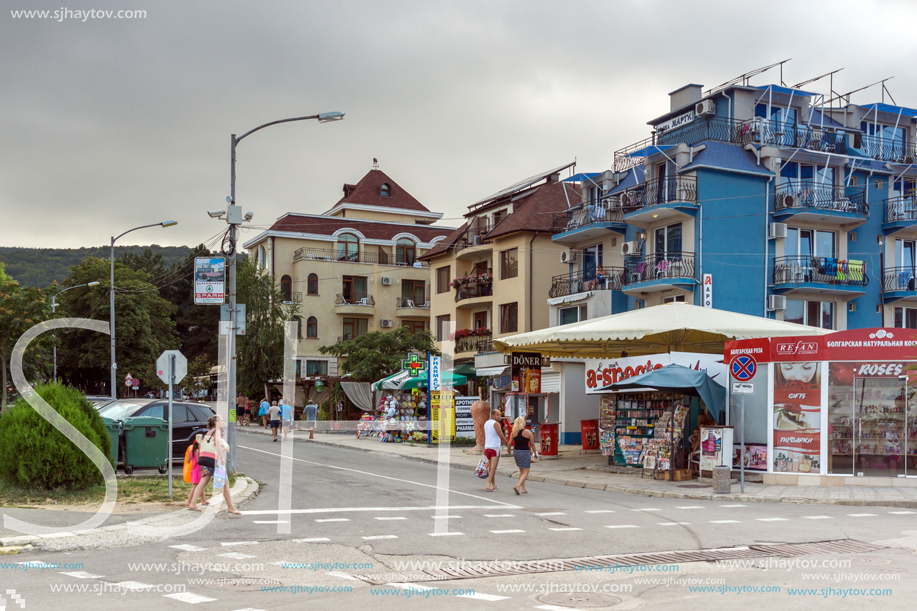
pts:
[493, 439]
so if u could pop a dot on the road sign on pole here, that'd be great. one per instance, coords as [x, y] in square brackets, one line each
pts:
[743, 367]
[162, 367]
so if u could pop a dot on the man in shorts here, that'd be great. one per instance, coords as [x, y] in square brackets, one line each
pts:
[286, 416]
[310, 412]
[273, 415]
[240, 409]
[493, 439]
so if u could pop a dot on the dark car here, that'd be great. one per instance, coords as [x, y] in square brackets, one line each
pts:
[189, 419]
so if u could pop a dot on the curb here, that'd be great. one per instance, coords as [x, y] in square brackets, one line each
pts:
[626, 489]
[24, 542]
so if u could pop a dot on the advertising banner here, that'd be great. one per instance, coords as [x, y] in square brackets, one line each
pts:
[209, 280]
[526, 370]
[601, 373]
[464, 423]
[797, 417]
[442, 413]
[852, 345]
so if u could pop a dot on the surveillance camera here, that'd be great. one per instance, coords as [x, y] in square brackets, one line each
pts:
[215, 214]
[248, 215]
[229, 199]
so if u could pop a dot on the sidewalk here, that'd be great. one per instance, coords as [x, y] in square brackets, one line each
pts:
[578, 470]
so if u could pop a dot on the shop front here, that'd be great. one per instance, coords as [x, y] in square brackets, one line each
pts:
[831, 410]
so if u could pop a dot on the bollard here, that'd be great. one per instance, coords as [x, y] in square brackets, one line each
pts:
[722, 479]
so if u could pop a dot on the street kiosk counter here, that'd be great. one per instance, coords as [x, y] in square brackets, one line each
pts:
[834, 406]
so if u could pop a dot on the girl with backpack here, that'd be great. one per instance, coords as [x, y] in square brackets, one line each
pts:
[213, 462]
[192, 473]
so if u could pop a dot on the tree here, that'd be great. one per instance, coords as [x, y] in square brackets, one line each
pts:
[260, 350]
[20, 309]
[143, 323]
[378, 354]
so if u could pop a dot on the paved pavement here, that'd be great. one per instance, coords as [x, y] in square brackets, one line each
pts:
[577, 469]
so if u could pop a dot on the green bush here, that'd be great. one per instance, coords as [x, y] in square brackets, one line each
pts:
[36, 456]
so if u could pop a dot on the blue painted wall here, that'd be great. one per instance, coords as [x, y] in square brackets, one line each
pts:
[866, 248]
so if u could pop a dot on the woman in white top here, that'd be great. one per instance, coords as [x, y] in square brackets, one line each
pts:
[213, 453]
[493, 439]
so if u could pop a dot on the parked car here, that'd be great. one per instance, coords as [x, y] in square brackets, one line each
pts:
[189, 419]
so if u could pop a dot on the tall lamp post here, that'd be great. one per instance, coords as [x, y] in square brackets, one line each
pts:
[111, 304]
[234, 217]
[54, 305]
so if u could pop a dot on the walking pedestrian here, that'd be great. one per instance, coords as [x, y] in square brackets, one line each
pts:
[248, 412]
[195, 475]
[212, 455]
[240, 408]
[286, 416]
[273, 415]
[493, 439]
[262, 411]
[311, 413]
[523, 452]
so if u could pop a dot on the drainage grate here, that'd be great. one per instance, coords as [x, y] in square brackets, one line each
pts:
[524, 567]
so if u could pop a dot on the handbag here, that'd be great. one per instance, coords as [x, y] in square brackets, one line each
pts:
[219, 477]
[482, 470]
[186, 468]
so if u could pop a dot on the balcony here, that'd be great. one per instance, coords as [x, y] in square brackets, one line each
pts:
[342, 256]
[819, 274]
[403, 303]
[479, 344]
[899, 282]
[353, 303]
[473, 237]
[471, 287]
[659, 199]
[885, 148]
[900, 212]
[807, 200]
[659, 272]
[588, 221]
[571, 284]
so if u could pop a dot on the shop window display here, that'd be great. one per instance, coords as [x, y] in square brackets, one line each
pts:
[797, 417]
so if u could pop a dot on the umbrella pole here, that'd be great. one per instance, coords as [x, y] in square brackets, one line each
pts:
[672, 442]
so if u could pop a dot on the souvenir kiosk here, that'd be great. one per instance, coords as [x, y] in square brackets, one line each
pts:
[535, 408]
[830, 408]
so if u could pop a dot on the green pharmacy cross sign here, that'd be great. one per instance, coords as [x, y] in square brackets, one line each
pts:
[414, 364]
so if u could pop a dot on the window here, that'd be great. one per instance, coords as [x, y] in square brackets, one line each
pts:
[312, 327]
[441, 321]
[480, 320]
[152, 411]
[442, 280]
[348, 247]
[355, 327]
[890, 138]
[286, 288]
[509, 318]
[809, 243]
[261, 257]
[405, 252]
[803, 176]
[591, 259]
[385, 190]
[674, 299]
[812, 313]
[568, 315]
[312, 284]
[499, 215]
[906, 318]
[414, 290]
[778, 115]
[316, 368]
[415, 326]
[668, 242]
[509, 263]
[354, 288]
[180, 414]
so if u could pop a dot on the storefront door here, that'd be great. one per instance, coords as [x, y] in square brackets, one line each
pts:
[870, 439]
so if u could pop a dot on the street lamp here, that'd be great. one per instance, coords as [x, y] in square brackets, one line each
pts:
[54, 305]
[114, 364]
[233, 215]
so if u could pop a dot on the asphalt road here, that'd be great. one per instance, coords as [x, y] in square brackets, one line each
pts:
[372, 514]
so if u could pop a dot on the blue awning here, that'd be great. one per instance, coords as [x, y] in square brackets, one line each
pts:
[583, 176]
[786, 90]
[907, 112]
[683, 380]
[651, 150]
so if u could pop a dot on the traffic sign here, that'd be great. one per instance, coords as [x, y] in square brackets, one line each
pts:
[135, 382]
[743, 367]
[162, 366]
[743, 388]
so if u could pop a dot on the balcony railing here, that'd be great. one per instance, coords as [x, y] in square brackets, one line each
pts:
[571, 284]
[473, 237]
[886, 149]
[898, 209]
[354, 299]
[478, 344]
[606, 211]
[799, 269]
[472, 290]
[377, 258]
[900, 278]
[803, 195]
[659, 266]
[404, 302]
[678, 189]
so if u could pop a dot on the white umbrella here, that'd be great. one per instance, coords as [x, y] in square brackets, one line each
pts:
[664, 328]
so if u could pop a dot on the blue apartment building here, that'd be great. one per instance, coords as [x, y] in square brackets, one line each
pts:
[792, 208]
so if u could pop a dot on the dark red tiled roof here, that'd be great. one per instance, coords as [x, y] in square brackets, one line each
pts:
[535, 212]
[367, 192]
[446, 243]
[327, 225]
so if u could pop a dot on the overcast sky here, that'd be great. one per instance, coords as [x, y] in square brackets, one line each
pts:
[108, 124]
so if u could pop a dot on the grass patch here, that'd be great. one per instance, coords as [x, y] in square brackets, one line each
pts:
[134, 489]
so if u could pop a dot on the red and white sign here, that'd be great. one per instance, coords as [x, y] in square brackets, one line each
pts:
[854, 345]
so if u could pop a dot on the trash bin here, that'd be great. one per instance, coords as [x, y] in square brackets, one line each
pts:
[146, 441]
[722, 479]
[590, 434]
[549, 439]
[114, 433]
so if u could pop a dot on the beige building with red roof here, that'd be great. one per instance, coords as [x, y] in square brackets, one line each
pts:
[355, 268]
[491, 275]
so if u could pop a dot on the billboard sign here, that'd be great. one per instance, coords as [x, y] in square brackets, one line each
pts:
[209, 280]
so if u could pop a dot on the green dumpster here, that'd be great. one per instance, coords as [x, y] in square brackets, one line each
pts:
[146, 441]
[114, 432]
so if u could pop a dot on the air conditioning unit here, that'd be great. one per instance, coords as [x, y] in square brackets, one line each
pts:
[476, 240]
[567, 256]
[386, 323]
[776, 231]
[707, 107]
[630, 248]
[386, 281]
[785, 200]
[776, 302]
